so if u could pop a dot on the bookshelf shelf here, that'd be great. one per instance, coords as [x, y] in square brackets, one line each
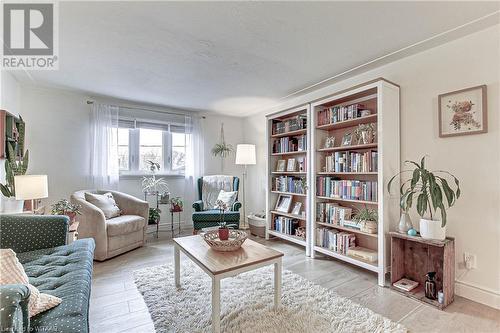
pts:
[347, 229]
[355, 261]
[293, 216]
[352, 147]
[349, 200]
[290, 238]
[348, 123]
[298, 173]
[347, 173]
[378, 150]
[290, 193]
[290, 153]
[291, 133]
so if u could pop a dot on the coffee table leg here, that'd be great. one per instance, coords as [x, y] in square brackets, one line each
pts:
[215, 305]
[277, 284]
[177, 262]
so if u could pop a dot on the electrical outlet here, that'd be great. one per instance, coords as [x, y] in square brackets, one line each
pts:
[470, 260]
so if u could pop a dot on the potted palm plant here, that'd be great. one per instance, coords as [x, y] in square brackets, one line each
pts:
[431, 191]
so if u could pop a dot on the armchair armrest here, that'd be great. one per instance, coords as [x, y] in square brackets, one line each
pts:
[14, 316]
[131, 205]
[198, 205]
[23, 233]
[236, 206]
[92, 220]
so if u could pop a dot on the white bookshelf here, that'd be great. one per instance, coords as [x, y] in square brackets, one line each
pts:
[383, 98]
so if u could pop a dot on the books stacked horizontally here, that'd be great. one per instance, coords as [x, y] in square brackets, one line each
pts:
[349, 161]
[292, 124]
[333, 213]
[286, 225]
[346, 189]
[290, 184]
[334, 240]
[290, 144]
[335, 114]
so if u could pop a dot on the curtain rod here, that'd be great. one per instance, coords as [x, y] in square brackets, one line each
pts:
[151, 110]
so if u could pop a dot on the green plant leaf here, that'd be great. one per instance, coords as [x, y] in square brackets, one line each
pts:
[412, 162]
[422, 162]
[443, 216]
[5, 191]
[422, 204]
[448, 192]
[415, 178]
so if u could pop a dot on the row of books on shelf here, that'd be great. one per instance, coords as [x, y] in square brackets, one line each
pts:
[333, 213]
[346, 189]
[291, 124]
[336, 114]
[290, 184]
[335, 240]
[290, 144]
[286, 225]
[349, 161]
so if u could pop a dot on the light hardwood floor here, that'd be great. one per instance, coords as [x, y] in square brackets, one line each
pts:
[117, 306]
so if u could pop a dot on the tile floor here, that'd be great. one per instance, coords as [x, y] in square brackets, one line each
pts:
[117, 306]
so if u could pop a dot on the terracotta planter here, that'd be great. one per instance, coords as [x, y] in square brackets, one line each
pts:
[223, 233]
[72, 217]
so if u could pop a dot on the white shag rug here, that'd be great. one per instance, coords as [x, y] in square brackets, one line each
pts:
[247, 304]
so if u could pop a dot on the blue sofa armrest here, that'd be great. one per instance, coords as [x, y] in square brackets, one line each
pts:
[14, 316]
[198, 205]
[236, 206]
[23, 233]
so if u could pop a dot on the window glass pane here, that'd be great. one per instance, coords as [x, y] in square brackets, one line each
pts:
[178, 158]
[178, 139]
[123, 149]
[150, 147]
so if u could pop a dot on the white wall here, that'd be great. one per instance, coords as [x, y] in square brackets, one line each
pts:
[57, 135]
[474, 221]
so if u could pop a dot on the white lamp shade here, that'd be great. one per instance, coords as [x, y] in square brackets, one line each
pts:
[245, 154]
[30, 187]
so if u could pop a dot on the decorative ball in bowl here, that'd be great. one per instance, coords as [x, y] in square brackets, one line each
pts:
[236, 239]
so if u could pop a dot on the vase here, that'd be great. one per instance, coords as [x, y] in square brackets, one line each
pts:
[12, 206]
[432, 229]
[405, 223]
[223, 233]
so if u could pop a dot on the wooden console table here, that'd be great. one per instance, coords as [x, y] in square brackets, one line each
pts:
[413, 257]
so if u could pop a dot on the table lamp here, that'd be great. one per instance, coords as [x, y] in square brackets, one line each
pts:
[245, 155]
[31, 187]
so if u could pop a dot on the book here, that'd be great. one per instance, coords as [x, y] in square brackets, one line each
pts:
[405, 284]
[363, 254]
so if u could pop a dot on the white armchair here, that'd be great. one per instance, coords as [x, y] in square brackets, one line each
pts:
[116, 235]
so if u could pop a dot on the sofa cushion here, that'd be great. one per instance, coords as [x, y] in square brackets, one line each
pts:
[66, 272]
[124, 224]
[213, 215]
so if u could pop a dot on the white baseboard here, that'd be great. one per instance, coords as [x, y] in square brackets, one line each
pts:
[478, 294]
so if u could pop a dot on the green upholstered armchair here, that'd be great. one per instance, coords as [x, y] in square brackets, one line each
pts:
[204, 217]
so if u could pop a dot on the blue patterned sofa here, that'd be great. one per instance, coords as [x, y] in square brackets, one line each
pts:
[53, 267]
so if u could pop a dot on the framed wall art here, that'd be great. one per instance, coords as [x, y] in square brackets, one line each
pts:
[463, 112]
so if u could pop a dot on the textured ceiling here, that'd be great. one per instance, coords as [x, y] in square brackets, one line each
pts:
[233, 58]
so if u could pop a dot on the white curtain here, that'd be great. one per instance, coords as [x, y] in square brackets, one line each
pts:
[104, 169]
[194, 158]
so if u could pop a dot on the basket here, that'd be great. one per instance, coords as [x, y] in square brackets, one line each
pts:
[236, 239]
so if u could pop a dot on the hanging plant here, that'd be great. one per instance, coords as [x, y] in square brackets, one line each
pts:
[222, 149]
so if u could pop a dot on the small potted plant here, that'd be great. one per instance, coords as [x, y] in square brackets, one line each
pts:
[176, 204]
[153, 185]
[154, 215]
[64, 207]
[432, 192]
[223, 227]
[368, 220]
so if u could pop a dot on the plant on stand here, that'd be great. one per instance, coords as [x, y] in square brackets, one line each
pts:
[14, 166]
[64, 207]
[176, 204]
[153, 185]
[222, 149]
[431, 191]
[367, 219]
[154, 215]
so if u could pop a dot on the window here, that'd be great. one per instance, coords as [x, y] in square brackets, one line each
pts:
[151, 142]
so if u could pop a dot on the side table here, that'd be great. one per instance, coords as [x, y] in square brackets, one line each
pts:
[172, 211]
[72, 232]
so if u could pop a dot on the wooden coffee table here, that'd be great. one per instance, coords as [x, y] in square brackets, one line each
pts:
[220, 265]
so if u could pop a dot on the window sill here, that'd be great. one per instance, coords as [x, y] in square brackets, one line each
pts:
[135, 175]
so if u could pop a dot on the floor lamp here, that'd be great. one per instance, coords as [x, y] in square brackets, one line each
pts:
[245, 155]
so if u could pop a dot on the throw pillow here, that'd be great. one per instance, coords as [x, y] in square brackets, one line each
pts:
[12, 272]
[227, 197]
[105, 202]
